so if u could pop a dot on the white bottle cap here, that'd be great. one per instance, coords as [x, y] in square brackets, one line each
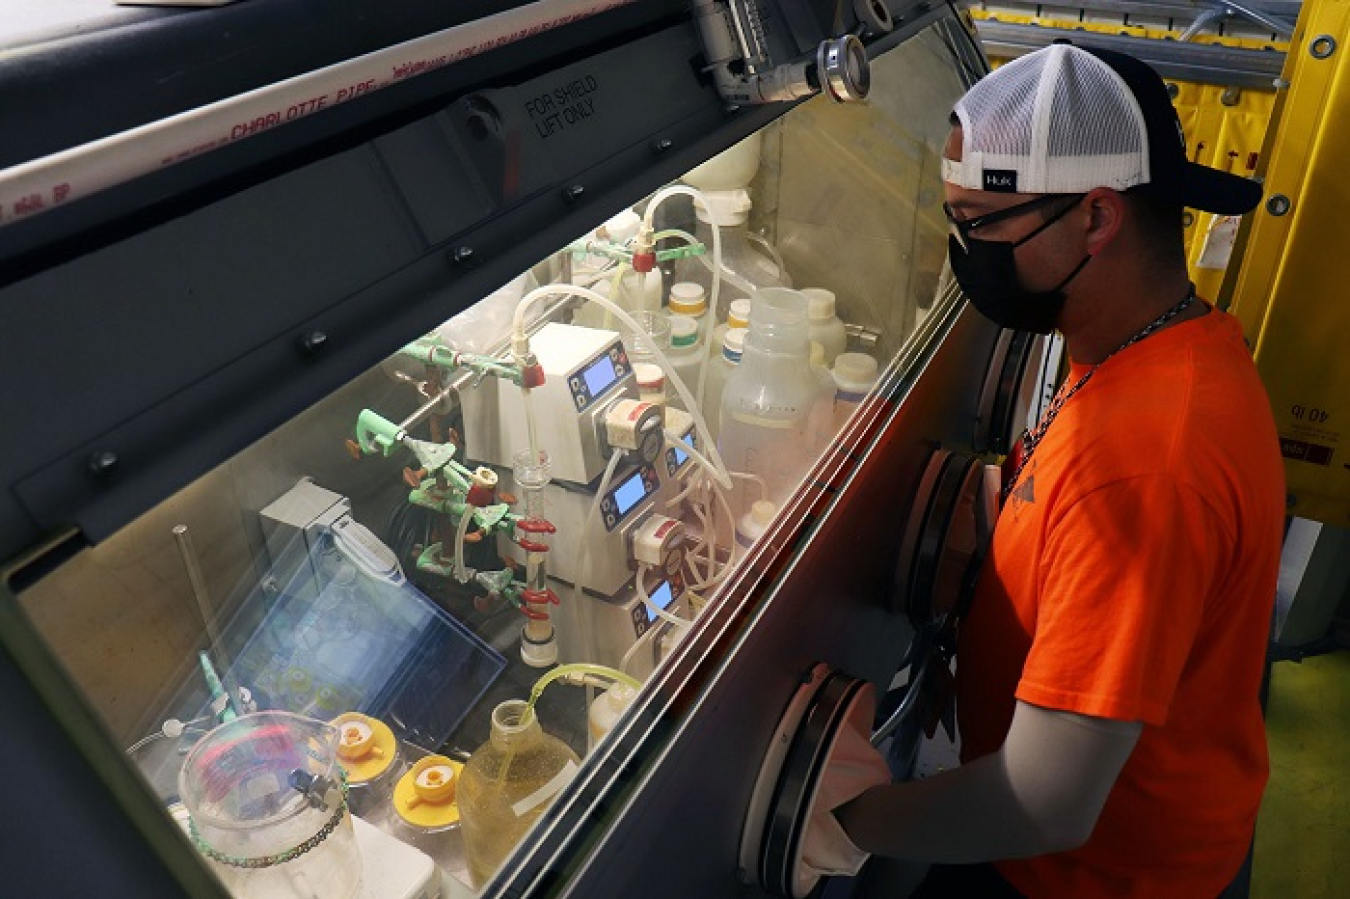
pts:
[683, 332]
[724, 207]
[820, 303]
[751, 526]
[649, 376]
[762, 512]
[623, 227]
[855, 372]
[738, 316]
[733, 344]
[688, 298]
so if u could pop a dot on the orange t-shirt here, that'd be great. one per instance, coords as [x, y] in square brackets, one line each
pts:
[1131, 576]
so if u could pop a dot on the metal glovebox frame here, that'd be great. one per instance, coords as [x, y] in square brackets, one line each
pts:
[161, 326]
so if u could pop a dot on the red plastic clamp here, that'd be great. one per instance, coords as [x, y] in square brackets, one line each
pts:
[532, 375]
[479, 495]
[644, 261]
[539, 597]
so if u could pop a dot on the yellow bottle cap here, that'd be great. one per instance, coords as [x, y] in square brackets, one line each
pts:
[738, 316]
[425, 796]
[687, 298]
[366, 746]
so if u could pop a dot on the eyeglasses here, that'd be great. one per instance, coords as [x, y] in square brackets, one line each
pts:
[961, 228]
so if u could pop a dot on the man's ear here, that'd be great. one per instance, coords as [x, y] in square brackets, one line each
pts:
[1106, 211]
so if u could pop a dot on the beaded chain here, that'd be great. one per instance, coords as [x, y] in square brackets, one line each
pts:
[1032, 439]
[268, 861]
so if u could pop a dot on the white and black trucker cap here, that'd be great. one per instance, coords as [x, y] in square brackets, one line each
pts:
[1068, 119]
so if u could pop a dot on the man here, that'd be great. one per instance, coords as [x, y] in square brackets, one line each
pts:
[1109, 669]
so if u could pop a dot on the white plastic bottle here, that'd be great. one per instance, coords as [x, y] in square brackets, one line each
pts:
[745, 268]
[738, 316]
[752, 525]
[689, 298]
[854, 376]
[606, 710]
[732, 168]
[768, 399]
[821, 426]
[685, 355]
[826, 328]
[720, 368]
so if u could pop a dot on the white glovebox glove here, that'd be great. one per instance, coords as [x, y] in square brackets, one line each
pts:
[853, 766]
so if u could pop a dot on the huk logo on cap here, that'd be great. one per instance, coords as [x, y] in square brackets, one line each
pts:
[1001, 180]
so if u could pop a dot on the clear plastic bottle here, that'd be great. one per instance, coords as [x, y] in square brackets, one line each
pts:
[745, 268]
[854, 376]
[720, 368]
[767, 402]
[685, 354]
[507, 784]
[826, 328]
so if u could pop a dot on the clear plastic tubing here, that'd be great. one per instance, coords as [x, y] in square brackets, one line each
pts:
[661, 196]
[604, 671]
[520, 344]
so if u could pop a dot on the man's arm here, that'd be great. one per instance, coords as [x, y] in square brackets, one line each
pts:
[1040, 793]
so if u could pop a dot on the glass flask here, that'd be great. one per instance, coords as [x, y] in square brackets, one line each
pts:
[267, 806]
[507, 784]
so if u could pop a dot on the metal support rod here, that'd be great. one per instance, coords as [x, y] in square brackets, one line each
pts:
[1284, 29]
[1203, 21]
[420, 414]
[202, 595]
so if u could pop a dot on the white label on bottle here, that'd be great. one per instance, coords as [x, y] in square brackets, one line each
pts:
[547, 791]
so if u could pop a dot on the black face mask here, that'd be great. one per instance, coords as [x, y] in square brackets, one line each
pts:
[987, 272]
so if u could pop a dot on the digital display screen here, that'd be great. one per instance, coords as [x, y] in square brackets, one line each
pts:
[661, 597]
[599, 375]
[680, 455]
[629, 493]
